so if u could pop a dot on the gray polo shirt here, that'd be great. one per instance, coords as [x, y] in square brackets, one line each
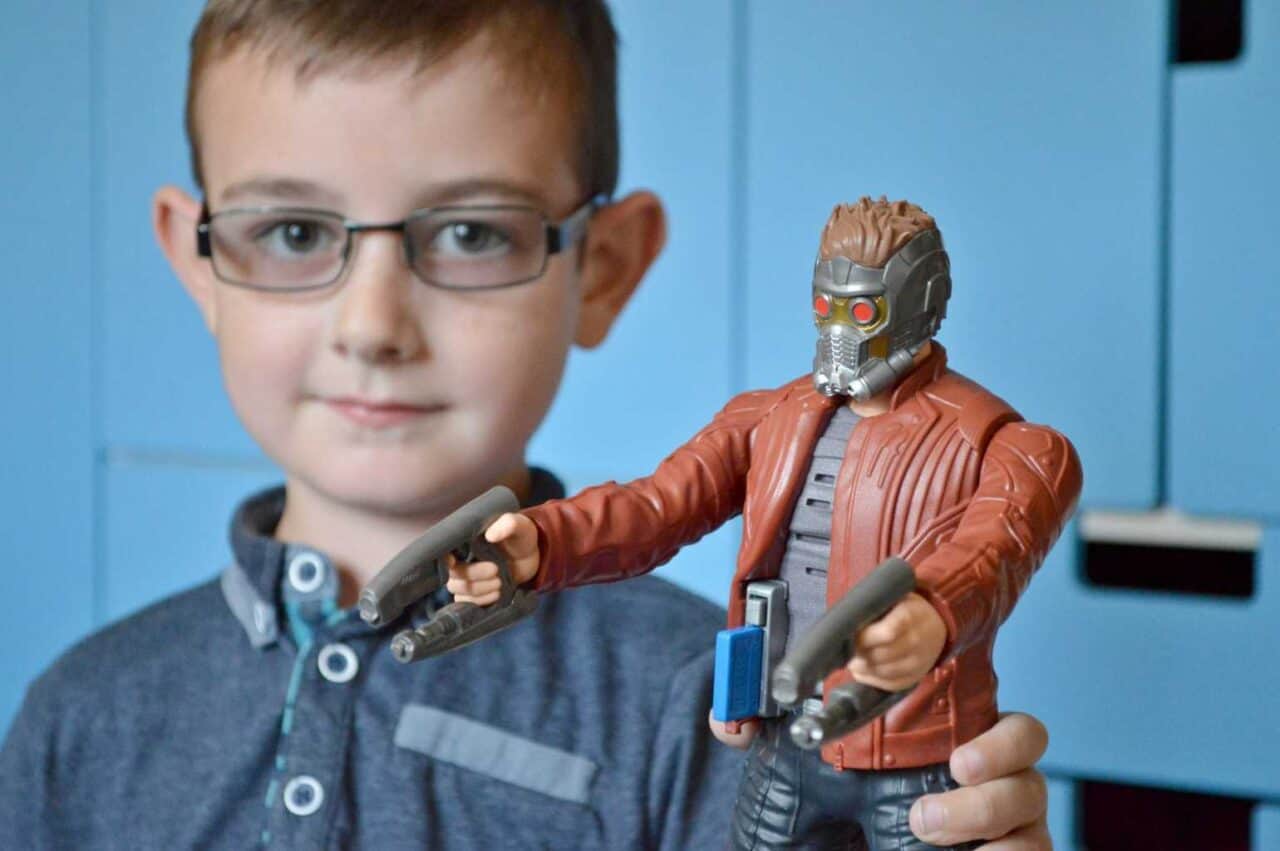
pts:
[251, 712]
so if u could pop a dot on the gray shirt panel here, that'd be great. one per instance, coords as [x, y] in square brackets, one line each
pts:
[808, 549]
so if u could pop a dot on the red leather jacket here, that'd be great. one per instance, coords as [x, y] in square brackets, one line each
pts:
[949, 478]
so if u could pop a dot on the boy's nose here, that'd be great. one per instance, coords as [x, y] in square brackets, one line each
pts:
[376, 320]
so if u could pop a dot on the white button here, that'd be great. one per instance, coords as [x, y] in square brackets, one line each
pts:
[338, 663]
[303, 795]
[306, 572]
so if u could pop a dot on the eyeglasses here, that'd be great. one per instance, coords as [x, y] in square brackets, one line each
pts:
[464, 247]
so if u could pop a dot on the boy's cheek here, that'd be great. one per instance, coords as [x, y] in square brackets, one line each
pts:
[264, 375]
[261, 343]
[509, 351]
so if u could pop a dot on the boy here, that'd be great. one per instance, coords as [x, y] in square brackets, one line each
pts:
[394, 369]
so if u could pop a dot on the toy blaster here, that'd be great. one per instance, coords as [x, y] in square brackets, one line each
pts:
[830, 645]
[422, 568]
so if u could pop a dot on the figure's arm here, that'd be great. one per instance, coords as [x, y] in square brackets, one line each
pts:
[1028, 487]
[615, 531]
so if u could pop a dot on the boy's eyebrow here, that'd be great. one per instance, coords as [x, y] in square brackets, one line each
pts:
[456, 191]
[286, 188]
[450, 192]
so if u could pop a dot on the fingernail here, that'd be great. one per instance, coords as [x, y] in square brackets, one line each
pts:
[971, 763]
[930, 815]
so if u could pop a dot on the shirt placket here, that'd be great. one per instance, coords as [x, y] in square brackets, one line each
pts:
[315, 721]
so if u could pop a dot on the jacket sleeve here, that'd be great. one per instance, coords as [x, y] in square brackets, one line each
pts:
[1027, 489]
[616, 531]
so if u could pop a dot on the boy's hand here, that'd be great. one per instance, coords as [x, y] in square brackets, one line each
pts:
[740, 740]
[1002, 797]
[899, 649]
[478, 582]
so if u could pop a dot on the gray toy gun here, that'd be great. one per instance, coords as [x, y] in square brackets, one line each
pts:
[422, 568]
[829, 645]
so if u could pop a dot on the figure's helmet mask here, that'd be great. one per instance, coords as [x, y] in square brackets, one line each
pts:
[873, 321]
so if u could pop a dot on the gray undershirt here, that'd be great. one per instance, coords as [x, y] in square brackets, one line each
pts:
[808, 550]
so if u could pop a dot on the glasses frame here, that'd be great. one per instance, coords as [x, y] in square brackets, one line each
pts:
[559, 236]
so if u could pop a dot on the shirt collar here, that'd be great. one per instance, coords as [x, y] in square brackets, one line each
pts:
[269, 574]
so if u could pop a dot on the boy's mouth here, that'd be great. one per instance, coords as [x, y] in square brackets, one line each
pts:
[379, 414]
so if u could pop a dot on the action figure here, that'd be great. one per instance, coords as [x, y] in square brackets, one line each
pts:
[881, 452]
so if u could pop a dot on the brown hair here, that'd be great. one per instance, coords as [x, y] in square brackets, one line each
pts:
[870, 232]
[565, 50]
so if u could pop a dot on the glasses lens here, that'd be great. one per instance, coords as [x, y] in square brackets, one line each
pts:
[278, 249]
[474, 247]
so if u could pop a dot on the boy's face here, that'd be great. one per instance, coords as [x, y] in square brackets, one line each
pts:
[381, 392]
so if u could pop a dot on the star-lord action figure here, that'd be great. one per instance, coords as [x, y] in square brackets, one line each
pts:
[881, 451]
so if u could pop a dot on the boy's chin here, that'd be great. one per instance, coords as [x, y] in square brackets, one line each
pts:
[400, 492]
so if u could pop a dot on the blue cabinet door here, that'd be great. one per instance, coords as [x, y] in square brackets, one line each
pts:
[160, 379]
[1165, 690]
[50, 339]
[1224, 386]
[1032, 132]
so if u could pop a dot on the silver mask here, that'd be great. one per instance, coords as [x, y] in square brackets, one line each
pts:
[872, 322]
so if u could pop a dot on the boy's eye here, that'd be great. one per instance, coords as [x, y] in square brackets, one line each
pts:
[296, 237]
[466, 237]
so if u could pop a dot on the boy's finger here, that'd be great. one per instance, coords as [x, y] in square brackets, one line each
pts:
[991, 809]
[1016, 742]
[740, 740]
[1033, 837]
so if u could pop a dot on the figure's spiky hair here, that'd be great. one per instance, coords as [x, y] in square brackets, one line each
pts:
[870, 232]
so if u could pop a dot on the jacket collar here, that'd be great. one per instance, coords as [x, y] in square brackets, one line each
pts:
[927, 372]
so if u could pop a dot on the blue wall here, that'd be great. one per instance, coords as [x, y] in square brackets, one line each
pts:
[1108, 219]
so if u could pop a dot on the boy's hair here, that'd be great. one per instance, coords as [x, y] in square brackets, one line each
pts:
[870, 232]
[561, 51]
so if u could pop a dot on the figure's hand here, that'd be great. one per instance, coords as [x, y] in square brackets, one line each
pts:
[740, 740]
[900, 648]
[478, 582]
[1002, 797]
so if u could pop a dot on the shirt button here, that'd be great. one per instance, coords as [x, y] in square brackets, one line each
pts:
[303, 795]
[338, 663]
[889, 760]
[306, 572]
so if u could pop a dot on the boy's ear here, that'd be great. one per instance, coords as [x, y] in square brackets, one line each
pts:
[174, 215]
[622, 242]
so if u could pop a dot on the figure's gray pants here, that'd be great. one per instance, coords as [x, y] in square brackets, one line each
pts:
[790, 798]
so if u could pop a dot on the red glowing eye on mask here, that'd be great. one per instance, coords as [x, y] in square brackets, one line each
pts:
[822, 306]
[864, 312]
